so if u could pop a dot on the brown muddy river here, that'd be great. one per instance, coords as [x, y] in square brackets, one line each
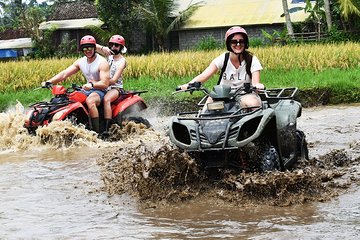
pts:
[65, 184]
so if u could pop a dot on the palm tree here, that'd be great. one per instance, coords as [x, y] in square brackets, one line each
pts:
[160, 17]
[349, 7]
[11, 10]
[328, 14]
[288, 19]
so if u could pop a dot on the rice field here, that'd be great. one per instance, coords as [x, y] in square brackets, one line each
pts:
[23, 75]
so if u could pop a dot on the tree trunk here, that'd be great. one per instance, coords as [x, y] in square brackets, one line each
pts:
[288, 19]
[328, 14]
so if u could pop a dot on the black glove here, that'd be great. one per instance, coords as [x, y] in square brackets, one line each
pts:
[194, 85]
[46, 84]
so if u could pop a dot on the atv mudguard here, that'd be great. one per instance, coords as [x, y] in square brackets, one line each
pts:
[66, 111]
[128, 105]
[127, 108]
[287, 112]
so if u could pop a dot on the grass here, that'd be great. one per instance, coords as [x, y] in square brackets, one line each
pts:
[343, 84]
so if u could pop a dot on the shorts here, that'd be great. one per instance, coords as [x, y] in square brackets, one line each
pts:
[116, 87]
[244, 104]
[101, 93]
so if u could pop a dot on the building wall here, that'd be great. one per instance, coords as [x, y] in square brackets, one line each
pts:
[138, 42]
[188, 39]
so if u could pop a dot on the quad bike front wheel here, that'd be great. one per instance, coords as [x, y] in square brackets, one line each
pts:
[120, 119]
[138, 120]
[263, 156]
[77, 117]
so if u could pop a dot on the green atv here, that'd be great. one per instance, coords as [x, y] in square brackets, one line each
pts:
[224, 135]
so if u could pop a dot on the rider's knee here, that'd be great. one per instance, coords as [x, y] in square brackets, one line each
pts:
[90, 102]
[250, 101]
[107, 100]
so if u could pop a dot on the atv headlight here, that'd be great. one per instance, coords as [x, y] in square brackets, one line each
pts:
[215, 105]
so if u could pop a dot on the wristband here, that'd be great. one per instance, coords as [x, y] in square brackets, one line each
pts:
[92, 84]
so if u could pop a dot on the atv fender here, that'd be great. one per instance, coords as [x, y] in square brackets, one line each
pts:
[266, 116]
[129, 105]
[287, 112]
[69, 109]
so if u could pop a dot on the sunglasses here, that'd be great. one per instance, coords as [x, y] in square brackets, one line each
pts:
[113, 44]
[235, 42]
[87, 49]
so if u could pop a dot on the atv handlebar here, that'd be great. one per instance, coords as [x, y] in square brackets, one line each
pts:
[195, 86]
[76, 87]
[133, 92]
[46, 84]
[274, 94]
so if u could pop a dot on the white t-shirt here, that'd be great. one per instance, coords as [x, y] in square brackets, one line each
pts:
[114, 65]
[91, 71]
[236, 77]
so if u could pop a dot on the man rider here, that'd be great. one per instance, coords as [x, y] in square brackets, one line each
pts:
[96, 71]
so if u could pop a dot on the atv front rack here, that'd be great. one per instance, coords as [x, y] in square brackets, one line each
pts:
[203, 116]
[280, 93]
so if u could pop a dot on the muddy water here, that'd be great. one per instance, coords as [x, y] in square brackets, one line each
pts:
[63, 183]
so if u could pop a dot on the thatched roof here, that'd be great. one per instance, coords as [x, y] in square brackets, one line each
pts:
[73, 10]
[16, 43]
[13, 33]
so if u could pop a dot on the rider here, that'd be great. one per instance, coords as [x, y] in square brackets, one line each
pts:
[117, 62]
[241, 67]
[96, 71]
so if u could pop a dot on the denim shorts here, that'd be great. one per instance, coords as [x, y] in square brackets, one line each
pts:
[101, 93]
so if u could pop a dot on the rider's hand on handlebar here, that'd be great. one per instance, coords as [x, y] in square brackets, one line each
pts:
[182, 87]
[88, 86]
[190, 86]
[259, 86]
[46, 84]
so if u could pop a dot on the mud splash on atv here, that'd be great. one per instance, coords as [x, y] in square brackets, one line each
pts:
[62, 134]
[11, 130]
[149, 168]
[56, 135]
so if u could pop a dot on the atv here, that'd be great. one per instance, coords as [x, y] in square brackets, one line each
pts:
[69, 104]
[224, 135]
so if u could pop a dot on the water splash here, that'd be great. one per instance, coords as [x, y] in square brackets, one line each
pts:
[151, 169]
[13, 135]
[60, 134]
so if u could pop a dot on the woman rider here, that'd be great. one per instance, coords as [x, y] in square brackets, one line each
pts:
[241, 67]
[116, 47]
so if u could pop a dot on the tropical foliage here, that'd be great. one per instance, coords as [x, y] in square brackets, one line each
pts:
[344, 13]
[118, 16]
[160, 18]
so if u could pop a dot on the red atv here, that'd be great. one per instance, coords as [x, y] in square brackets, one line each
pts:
[69, 104]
